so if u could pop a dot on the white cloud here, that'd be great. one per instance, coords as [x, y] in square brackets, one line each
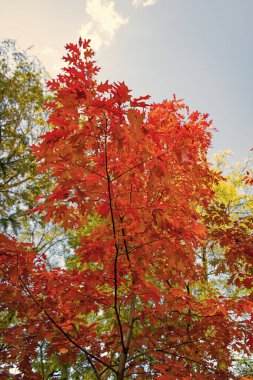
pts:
[104, 21]
[47, 51]
[144, 3]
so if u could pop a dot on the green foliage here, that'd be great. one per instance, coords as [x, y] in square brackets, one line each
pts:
[22, 120]
[75, 236]
[234, 202]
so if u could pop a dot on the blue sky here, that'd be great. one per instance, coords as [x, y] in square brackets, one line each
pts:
[201, 50]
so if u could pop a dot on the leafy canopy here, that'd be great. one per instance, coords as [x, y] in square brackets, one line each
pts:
[131, 304]
[22, 120]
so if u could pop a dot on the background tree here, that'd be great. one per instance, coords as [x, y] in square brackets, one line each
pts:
[22, 120]
[135, 300]
[229, 220]
[22, 94]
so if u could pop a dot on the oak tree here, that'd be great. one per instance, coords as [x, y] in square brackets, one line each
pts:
[136, 301]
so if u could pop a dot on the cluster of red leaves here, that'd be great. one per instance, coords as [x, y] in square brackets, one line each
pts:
[143, 169]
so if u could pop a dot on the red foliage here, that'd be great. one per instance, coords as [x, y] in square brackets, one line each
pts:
[143, 169]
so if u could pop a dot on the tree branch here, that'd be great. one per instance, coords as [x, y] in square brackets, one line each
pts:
[130, 169]
[115, 244]
[88, 355]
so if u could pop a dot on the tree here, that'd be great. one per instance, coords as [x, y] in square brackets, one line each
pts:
[22, 89]
[22, 120]
[230, 222]
[135, 301]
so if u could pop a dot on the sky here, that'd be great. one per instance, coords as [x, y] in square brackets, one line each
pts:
[200, 50]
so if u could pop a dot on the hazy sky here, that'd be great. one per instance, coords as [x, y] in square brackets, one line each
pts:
[201, 50]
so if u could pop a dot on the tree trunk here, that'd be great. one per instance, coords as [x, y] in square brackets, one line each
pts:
[127, 340]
